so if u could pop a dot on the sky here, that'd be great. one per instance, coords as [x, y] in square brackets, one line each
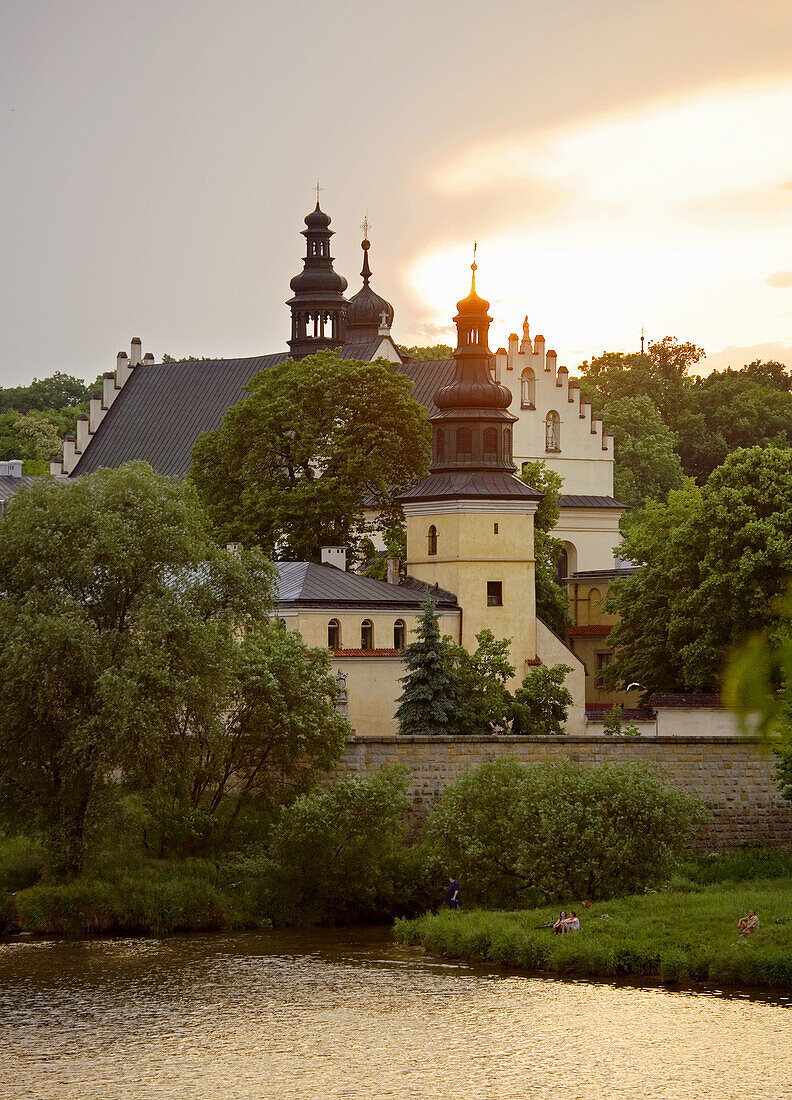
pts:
[621, 165]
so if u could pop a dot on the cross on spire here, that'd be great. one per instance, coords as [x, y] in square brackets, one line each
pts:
[318, 189]
[365, 226]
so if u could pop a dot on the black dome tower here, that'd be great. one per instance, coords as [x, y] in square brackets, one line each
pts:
[318, 308]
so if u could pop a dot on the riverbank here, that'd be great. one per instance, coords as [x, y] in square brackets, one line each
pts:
[669, 936]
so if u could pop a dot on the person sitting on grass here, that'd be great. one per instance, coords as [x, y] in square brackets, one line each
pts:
[748, 924]
[558, 927]
[573, 922]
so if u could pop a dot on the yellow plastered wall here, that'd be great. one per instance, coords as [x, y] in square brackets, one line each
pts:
[469, 554]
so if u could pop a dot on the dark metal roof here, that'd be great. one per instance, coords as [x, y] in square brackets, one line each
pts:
[164, 407]
[360, 349]
[458, 483]
[10, 486]
[428, 376]
[603, 574]
[575, 500]
[307, 584]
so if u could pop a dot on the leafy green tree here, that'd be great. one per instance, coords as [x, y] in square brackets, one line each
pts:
[483, 702]
[437, 351]
[541, 703]
[112, 598]
[59, 391]
[770, 373]
[429, 697]
[560, 830]
[714, 562]
[248, 730]
[336, 855]
[552, 600]
[661, 373]
[647, 466]
[297, 463]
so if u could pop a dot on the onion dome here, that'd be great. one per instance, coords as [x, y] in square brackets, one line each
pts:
[318, 307]
[367, 312]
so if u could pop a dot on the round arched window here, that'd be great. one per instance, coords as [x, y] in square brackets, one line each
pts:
[399, 634]
[366, 634]
[334, 634]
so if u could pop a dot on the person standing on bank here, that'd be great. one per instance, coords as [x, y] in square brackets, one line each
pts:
[452, 893]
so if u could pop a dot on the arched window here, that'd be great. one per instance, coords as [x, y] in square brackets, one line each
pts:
[282, 623]
[562, 569]
[464, 441]
[528, 393]
[432, 539]
[490, 443]
[366, 634]
[595, 612]
[440, 444]
[553, 431]
[399, 634]
[334, 634]
[507, 444]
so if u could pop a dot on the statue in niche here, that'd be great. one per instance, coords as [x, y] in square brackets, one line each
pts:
[342, 699]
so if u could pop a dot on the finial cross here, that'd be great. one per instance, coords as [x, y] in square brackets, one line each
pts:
[365, 225]
[318, 189]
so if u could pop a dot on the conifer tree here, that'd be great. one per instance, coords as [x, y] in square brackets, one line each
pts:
[430, 686]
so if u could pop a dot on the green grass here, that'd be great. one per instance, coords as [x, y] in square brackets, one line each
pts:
[670, 936]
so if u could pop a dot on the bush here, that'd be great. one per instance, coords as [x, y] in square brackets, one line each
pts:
[541, 704]
[22, 862]
[529, 834]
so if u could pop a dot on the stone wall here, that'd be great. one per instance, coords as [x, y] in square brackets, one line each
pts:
[734, 776]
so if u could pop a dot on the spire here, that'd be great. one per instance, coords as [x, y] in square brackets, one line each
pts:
[318, 307]
[368, 314]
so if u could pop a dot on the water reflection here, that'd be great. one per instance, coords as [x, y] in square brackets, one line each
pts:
[348, 1014]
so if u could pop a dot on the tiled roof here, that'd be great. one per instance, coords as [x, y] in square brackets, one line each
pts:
[307, 584]
[164, 407]
[458, 483]
[593, 630]
[10, 486]
[366, 653]
[578, 500]
[360, 349]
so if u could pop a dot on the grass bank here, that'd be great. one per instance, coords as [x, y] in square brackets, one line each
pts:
[677, 935]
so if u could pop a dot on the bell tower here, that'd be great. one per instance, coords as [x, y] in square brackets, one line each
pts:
[470, 521]
[318, 308]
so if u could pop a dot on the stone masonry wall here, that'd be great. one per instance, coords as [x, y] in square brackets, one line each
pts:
[734, 776]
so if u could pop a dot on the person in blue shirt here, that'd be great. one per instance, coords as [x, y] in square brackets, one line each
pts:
[452, 893]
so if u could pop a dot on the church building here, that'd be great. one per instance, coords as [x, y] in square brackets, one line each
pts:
[469, 522]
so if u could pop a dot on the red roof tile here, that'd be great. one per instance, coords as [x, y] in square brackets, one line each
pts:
[593, 630]
[366, 653]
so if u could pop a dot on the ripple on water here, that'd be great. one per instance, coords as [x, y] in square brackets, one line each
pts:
[347, 1014]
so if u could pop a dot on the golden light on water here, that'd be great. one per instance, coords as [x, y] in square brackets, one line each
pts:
[677, 216]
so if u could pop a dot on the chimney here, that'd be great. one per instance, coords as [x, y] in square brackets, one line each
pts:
[135, 351]
[393, 570]
[4, 469]
[95, 412]
[512, 352]
[108, 389]
[15, 467]
[148, 358]
[123, 369]
[234, 548]
[56, 465]
[69, 457]
[335, 556]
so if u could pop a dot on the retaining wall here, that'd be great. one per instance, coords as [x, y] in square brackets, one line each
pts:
[735, 776]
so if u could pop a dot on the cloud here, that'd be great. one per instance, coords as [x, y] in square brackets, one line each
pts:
[737, 357]
[781, 278]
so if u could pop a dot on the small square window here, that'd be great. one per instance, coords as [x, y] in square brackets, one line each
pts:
[494, 593]
[602, 660]
[495, 528]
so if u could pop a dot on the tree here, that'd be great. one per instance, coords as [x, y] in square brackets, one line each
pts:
[552, 599]
[59, 391]
[429, 696]
[335, 854]
[560, 830]
[542, 702]
[770, 373]
[437, 351]
[713, 561]
[297, 463]
[113, 602]
[647, 466]
[661, 373]
[483, 703]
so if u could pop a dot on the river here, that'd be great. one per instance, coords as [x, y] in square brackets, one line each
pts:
[346, 1013]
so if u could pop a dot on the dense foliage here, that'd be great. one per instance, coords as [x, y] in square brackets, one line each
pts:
[120, 626]
[561, 830]
[428, 699]
[541, 703]
[713, 562]
[297, 464]
[552, 600]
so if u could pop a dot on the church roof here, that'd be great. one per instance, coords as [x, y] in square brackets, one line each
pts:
[461, 484]
[306, 584]
[164, 407]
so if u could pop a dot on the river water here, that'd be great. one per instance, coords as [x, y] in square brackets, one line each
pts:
[346, 1013]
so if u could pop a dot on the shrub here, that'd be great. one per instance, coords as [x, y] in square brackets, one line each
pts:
[541, 704]
[560, 830]
[21, 862]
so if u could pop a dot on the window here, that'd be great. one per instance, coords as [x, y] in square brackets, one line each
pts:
[494, 593]
[528, 391]
[440, 444]
[334, 634]
[464, 441]
[399, 634]
[432, 539]
[282, 623]
[507, 445]
[366, 634]
[494, 528]
[562, 569]
[490, 443]
[602, 660]
[594, 605]
[553, 432]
